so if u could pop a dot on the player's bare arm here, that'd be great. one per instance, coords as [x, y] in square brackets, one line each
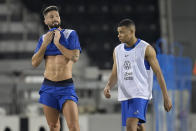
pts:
[150, 55]
[112, 80]
[69, 54]
[38, 57]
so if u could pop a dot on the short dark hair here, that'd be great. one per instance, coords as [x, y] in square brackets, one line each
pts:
[50, 8]
[126, 22]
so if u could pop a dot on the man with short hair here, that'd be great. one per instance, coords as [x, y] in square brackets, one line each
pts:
[61, 49]
[134, 63]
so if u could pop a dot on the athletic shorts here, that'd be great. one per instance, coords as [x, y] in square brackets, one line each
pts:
[55, 94]
[134, 108]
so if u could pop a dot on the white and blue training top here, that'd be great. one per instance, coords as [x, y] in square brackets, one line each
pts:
[134, 74]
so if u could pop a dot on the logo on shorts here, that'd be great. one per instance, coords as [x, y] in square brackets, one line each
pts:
[137, 112]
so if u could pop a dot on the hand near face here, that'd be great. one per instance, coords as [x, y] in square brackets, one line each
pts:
[48, 37]
[57, 36]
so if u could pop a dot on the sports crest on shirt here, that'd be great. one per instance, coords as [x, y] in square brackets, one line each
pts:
[128, 71]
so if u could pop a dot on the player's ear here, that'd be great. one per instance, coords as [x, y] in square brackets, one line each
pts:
[131, 30]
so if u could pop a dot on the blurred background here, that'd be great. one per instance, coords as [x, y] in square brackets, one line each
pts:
[168, 25]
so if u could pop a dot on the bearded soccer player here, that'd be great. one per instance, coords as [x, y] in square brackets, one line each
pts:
[60, 48]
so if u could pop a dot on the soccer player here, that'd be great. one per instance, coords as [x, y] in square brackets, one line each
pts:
[60, 48]
[134, 63]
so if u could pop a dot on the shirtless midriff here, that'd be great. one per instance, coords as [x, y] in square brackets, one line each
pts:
[58, 68]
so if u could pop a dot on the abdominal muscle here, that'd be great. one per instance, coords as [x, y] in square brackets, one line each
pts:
[58, 68]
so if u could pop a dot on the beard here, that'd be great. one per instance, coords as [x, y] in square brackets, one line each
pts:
[54, 25]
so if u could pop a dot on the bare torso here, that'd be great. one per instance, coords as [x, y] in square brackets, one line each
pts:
[58, 68]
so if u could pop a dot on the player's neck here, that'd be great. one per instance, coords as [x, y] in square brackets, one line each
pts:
[131, 42]
[58, 28]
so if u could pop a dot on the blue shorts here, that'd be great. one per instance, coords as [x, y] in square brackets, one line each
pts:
[134, 108]
[55, 94]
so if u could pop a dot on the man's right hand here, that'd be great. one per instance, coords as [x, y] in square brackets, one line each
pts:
[107, 92]
[48, 38]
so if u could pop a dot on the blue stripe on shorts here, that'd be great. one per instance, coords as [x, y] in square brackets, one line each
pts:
[134, 108]
[55, 94]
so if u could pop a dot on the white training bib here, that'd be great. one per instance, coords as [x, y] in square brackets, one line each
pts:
[134, 78]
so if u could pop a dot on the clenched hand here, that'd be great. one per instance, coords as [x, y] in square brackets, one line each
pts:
[107, 92]
[48, 38]
[57, 36]
[167, 104]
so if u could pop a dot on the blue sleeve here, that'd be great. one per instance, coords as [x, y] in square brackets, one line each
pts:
[38, 45]
[74, 42]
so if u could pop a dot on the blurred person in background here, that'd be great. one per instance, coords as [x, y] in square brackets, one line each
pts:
[60, 48]
[134, 63]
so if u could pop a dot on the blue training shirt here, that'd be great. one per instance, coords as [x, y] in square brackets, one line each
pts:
[69, 39]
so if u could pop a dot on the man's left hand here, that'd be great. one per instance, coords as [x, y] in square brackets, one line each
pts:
[167, 104]
[57, 36]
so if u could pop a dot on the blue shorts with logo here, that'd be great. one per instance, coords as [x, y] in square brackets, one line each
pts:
[134, 108]
[55, 94]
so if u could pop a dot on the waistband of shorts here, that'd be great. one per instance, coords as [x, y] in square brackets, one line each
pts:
[67, 82]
